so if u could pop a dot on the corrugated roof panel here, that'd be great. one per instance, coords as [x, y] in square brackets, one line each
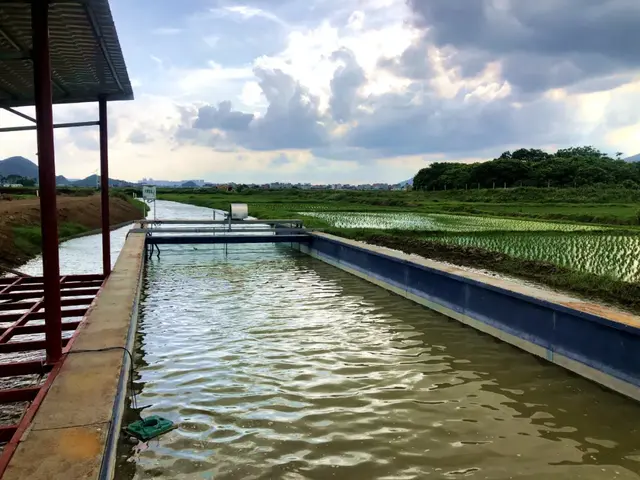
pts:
[86, 58]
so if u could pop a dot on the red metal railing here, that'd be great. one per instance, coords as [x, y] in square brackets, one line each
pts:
[23, 347]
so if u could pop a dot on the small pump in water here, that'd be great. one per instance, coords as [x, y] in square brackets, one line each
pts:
[151, 427]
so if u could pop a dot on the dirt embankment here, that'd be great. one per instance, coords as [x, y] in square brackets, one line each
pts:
[79, 211]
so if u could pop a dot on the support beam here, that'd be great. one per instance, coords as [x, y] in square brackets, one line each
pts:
[18, 395]
[20, 114]
[47, 177]
[69, 292]
[10, 286]
[14, 55]
[32, 367]
[57, 125]
[104, 187]
[23, 320]
[6, 432]
[95, 26]
[12, 317]
[34, 329]
[66, 302]
[65, 286]
[28, 346]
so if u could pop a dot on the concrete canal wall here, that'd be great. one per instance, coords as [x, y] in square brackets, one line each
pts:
[596, 342]
[74, 432]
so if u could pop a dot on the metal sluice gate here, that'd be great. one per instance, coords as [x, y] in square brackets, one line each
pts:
[228, 231]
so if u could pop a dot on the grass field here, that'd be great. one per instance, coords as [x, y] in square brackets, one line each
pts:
[584, 205]
[588, 248]
[29, 238]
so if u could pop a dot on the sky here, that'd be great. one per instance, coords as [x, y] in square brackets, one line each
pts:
[355, 91]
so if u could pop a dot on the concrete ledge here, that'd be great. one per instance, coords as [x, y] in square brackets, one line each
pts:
[596, 342]
[75, 429]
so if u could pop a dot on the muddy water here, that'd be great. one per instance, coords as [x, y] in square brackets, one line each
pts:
[277, 366]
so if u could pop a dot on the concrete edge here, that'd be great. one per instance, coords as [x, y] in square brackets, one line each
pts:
[588, 310]
[593, 374]
[109, 458]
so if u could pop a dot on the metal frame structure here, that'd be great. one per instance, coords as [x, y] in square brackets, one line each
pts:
[221, 232]
[22, 310]
[52, 52]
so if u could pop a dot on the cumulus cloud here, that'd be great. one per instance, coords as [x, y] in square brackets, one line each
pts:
[292, 119]
[543, 44]
[222, 118]
[414, 63]
[280, 160]
[140, 137]
[423, 123]
[348, 78]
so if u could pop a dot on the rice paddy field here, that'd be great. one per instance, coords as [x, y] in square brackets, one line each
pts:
[440, 222]
[592, 249]
[612, 255]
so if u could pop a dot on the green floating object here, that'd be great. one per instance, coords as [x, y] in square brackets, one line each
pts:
[150, 427]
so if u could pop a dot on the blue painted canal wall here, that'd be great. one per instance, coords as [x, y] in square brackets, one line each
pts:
[595, 342]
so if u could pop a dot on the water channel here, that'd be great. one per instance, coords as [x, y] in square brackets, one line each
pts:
[278, 366]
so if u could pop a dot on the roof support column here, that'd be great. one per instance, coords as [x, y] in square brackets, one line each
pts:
[47, 178]
[104, 186]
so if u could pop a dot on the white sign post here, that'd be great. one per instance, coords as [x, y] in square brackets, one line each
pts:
[149, 195]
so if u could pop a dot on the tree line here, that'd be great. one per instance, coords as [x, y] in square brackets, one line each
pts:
[17, 180]
[569, 167]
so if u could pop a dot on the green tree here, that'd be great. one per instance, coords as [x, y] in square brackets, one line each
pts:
[567, 167]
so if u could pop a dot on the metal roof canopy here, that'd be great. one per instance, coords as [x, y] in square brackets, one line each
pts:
[86, 59]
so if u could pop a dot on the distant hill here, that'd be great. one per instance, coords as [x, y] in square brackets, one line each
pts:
[62, 180]
[90, 181]
[23, 167]
[406, 182]
[635, 158]
[94, 181]
[20, 166]
[189, 184]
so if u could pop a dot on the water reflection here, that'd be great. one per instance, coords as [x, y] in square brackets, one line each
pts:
[276, 365]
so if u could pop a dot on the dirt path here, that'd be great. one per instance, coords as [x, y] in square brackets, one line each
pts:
[83, 211]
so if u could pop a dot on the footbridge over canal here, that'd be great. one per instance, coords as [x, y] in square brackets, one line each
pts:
[74, 441]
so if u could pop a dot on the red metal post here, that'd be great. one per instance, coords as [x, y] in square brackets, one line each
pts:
[47, 178]
[104, 186]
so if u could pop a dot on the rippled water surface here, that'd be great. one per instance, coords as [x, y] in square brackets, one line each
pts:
[277, 366]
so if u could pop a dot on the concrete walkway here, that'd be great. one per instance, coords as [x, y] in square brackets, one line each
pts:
[69, 435]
